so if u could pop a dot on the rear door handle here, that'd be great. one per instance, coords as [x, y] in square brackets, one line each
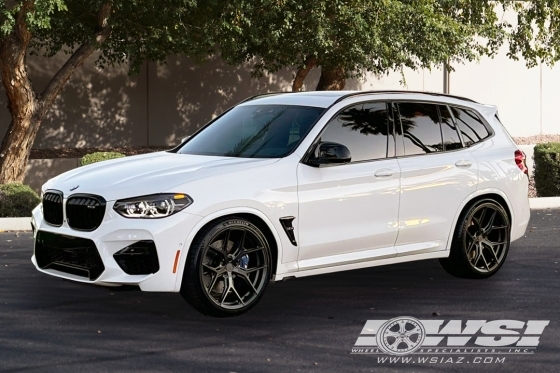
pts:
[384, 172]
[463, 163]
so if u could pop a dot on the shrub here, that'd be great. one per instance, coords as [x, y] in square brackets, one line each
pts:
[17, 200]
[547, 169]
[99, 156]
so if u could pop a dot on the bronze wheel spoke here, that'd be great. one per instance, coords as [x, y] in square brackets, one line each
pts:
[251, 270]
[225, 242]
[484, 260]
[247, 280]
[249, 251]
[236, 293]
[219, 251]
[481, 218]
[215, 270]
[213, 283]
[488, 227]
[241, 249]
[225, 293]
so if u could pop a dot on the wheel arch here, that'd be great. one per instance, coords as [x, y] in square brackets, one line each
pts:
[493, 194]
[255, 216]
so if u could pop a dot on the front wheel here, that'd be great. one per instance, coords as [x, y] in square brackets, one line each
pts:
[480, 242]
[227, 268]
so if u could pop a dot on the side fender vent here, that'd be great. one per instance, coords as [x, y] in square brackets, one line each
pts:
[289, 228]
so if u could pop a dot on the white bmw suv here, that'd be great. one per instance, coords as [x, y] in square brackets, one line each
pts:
[292, 185]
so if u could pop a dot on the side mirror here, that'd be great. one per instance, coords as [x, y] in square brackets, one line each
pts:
[330, 153]
[184, 139]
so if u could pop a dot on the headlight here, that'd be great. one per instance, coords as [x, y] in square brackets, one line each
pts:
[153, 206]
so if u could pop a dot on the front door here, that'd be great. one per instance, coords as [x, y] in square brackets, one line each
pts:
[353, 207]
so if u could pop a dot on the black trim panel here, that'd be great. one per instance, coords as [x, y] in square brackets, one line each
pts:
[289, 228]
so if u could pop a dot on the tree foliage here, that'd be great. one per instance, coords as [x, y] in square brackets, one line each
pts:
[379, 36]
[536, 35]
[139, 29]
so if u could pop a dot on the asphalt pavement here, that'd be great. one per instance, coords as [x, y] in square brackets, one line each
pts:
[309, 325]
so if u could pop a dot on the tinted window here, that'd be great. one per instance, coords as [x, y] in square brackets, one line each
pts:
[471, 126]
[259, 131]
[451, 139]
[420, 128]
[362, 129]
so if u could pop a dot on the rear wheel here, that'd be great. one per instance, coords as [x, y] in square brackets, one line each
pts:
[227, 269]
[480, 242]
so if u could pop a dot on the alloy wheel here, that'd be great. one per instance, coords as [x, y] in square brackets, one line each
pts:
[235, 268]
[486, 238]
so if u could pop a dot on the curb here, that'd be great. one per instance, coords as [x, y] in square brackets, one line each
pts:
[544, 202]
[15, 224]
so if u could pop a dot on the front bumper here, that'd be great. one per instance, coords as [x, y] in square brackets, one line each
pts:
[116, 233]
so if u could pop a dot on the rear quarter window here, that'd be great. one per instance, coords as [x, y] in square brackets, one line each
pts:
[470, 125]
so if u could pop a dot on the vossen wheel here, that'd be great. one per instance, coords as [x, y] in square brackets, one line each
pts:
[227, 268]
[480, 242]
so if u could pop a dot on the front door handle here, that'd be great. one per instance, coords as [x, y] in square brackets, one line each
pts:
[463, 163]
[384, 172]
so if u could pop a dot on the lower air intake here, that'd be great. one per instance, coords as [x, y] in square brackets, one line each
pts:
[140, 258]
[74, 255]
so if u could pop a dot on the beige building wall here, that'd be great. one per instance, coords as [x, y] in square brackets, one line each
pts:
[167, 102]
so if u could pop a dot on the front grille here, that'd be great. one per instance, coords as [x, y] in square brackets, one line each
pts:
[140, 258]
[85, 212]
[52, 207]
[74, 255]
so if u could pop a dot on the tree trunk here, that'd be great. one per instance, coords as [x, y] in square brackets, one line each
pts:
[26, 107]
[310, 62]
[22, 101]
[332, 79]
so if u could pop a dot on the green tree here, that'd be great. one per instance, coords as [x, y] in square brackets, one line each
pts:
[123, 31]
[348, 38]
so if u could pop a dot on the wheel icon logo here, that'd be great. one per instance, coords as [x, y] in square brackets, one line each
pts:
[401, 336]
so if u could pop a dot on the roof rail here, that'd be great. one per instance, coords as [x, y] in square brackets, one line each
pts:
[263, 95]
[357, 93]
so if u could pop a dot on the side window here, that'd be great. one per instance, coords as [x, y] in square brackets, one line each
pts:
[470, 125]
[451, 140]
[362, 129]
[420, 128]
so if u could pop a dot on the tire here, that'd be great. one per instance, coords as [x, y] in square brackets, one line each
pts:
[227, 269]
[480, 241]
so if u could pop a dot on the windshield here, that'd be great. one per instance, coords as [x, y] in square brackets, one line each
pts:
[254, 131]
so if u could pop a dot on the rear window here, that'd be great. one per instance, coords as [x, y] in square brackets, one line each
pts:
[420, 128]
[470, 125]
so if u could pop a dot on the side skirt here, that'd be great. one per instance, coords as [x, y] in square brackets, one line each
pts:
[364, 264]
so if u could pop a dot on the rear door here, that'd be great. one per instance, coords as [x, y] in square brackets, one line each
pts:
[437, 174]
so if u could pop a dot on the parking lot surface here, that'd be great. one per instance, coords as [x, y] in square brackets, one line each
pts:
[309, 324]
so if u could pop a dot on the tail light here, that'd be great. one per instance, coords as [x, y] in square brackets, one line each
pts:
[520, 162]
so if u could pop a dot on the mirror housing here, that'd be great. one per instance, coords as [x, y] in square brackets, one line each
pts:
[330, 153]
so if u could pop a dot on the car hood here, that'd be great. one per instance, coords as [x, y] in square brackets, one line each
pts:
[146, 174]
